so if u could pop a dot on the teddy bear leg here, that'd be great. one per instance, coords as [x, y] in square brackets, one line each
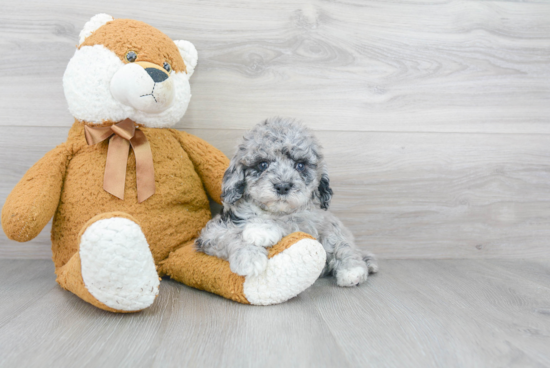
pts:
[294, 264]
[114, 268]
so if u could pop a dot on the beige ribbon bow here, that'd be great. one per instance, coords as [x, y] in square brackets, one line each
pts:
[123, 135]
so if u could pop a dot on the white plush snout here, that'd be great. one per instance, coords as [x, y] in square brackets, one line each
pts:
[133, 86]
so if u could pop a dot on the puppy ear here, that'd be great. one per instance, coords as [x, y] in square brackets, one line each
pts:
[233, 183]
[92, 25]
[324, 192]
[189, 54]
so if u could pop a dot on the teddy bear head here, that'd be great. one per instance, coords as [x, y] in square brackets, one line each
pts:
[124, 68]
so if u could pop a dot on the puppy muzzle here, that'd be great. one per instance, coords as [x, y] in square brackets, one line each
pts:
[283, 188]
[144, 86]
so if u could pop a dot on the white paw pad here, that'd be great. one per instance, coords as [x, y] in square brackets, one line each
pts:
[351, 277]
[117, 266]
[261, 235]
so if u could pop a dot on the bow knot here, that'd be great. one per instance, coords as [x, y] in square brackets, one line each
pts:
[121, 136]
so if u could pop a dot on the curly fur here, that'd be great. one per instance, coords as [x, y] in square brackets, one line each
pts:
[276, 184]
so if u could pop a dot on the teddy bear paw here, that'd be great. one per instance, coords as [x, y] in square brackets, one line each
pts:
[287, 273]
[117, 266]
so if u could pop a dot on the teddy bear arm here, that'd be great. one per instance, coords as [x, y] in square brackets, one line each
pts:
[33, 201]
[209, 162]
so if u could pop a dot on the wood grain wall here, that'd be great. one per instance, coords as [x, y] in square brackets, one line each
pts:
[435, 115]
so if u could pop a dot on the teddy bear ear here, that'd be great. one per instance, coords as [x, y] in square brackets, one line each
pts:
[189, 54]
[93, 24]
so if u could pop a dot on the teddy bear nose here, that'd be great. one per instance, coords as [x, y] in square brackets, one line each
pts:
[157, 75]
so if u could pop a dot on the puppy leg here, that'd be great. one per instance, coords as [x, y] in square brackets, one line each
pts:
[251, 258]
[262, 234]
[224, 240]
[347, 263]
[248, 260]
[371, 261]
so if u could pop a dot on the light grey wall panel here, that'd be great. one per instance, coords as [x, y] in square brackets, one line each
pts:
[459, 66]
[434, 115]
[404, 195]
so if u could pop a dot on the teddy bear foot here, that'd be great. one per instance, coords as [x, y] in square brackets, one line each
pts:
[293, 265]
[114, 269]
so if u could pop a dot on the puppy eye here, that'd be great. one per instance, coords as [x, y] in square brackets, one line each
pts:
[167, 67]
[300, 166]
[262, 166]
[131, 56]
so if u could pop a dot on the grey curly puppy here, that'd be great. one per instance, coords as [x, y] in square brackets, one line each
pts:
[277, 184]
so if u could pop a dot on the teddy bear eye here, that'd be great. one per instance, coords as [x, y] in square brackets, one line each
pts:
[131, 56]
[167, 67]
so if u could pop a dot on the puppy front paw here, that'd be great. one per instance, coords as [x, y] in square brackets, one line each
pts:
[249, 261]
[261, 235]
[352, 276]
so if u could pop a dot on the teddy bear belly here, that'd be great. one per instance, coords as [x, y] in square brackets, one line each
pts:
[175, 214]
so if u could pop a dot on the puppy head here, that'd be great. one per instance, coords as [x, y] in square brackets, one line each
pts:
[124, 68]
[278, 166]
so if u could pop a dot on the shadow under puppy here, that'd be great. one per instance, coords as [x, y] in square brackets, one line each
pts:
[277, 184]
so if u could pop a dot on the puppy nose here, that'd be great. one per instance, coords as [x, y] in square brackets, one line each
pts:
[157, 75]
[283, 188]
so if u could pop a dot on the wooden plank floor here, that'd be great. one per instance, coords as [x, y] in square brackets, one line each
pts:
[415, 313]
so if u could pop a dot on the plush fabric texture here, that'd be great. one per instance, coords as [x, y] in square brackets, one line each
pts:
[69, 181]
[87, 87]
[101, 56]
[288, 273]
[33, 202]
[150, 44]
[286, 243]
[203, 272]
[69, 277]
[117, 266]
[175, 214]
[109, 251]
[92, 25]
[212, 274]
[189, 54]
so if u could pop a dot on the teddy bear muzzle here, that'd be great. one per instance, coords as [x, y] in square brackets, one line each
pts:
[144, 86]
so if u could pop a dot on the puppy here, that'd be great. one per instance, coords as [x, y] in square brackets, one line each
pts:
[276, 184]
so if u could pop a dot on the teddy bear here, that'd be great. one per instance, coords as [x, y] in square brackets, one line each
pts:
[128, 194]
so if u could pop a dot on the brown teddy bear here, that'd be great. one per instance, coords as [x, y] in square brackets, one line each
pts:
[129, 194]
